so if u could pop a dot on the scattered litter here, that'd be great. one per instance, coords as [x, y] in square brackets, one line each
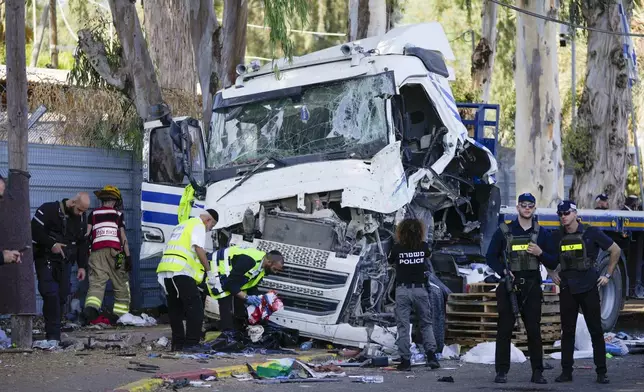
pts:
[143, 367]
[243, 377]
[255, 333]
[586, 367]
[369, 379]
[306, 345]
[199, 384]
[5, 341]
[162, 342]
[138, 321]
[449, 368]
[446, 379]
[100, 320]
[46, 344]
[209, 378]
[484, 353]
[451, 352]
[411, 377]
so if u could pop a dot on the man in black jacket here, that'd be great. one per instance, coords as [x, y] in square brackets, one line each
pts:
[59, 230]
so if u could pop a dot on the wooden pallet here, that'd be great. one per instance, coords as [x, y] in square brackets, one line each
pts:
[548, 288]
[472, 317]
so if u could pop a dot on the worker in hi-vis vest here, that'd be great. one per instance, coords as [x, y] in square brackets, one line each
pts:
[236, 272]
[181, 270]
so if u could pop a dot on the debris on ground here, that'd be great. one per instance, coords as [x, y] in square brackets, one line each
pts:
[46, 344]
[446, 379]
[368, 379]
[5, 341]
[162, 342]
[138, 321]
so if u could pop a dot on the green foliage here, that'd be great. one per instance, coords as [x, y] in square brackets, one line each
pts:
[276, 15]
[578, 148]
[632, 181]
[83, 73]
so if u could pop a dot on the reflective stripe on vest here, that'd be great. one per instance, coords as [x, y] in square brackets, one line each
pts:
[516, 248]
[178, 255]
[224, 257]
[572, 255]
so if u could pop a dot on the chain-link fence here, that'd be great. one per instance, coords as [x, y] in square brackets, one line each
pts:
[81, 140]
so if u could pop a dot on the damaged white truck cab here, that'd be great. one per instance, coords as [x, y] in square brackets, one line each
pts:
[320, 161]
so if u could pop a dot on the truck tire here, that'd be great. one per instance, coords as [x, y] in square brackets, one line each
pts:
[611, 295]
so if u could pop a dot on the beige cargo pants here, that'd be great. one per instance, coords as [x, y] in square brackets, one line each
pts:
[102, 267]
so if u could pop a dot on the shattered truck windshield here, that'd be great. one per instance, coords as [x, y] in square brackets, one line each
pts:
[342, 117]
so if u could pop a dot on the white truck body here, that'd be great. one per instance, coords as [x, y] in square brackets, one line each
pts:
[327, 202]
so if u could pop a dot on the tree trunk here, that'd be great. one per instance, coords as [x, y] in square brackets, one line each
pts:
[483, 56]
[604, 108]
[203, 25]
[367, 18]
[53, 34]
[136, 77]
[538, 161]
[40, 34]
[167, 31]
[17, 281]
[233, 49]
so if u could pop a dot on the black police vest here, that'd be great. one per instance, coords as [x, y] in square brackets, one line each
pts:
[516, 249]
[572, 251]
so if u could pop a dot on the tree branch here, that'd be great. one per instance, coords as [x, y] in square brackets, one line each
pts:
[95, 52]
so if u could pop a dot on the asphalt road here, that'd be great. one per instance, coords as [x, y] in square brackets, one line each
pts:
[625, 374]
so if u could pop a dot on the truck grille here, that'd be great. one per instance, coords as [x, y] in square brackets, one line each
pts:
[304, 304]
[313, 278]
[296, 254]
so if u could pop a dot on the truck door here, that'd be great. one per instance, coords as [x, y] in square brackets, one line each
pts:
[170, 153]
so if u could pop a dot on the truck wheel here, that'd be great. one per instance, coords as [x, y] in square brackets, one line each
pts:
[611, 295]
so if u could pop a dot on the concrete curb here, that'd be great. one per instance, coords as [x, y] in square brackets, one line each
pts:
[151, 384]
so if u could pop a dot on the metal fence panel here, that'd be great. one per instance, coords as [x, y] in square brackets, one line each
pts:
[62, 171]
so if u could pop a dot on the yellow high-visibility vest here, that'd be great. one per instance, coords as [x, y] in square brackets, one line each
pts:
[178, 255]
[224, 266]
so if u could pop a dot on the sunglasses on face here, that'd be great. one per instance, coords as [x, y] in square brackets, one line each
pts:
[563, 213]
[527, 205]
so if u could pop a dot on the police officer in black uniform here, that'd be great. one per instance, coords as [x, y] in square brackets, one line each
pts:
[524, 244]
[579, 280]
[59, 231]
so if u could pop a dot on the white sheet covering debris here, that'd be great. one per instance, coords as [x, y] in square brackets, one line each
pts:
[138, 321]
[484, 353]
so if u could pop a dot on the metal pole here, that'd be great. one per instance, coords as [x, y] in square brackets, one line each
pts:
[573, 88]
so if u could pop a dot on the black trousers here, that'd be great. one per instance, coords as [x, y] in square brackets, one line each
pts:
[184, 301]
[54, 285]
[529, 297]
[232, 313]
[591, 308]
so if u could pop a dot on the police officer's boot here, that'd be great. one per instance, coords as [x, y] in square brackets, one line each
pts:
[90, 314]
[501, 378]
[537, 377]
[404, 365]
[431, 360]
[564, 377]
[602, 379]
